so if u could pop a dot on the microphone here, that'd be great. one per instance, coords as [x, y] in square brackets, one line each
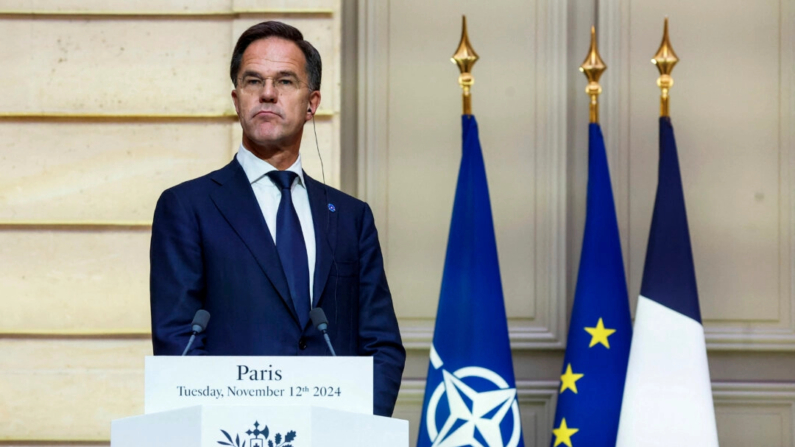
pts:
[321, 323]
[199, 324]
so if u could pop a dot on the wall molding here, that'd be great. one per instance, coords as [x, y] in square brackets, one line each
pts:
[756, 392]
[417, 334]
[612, 33]
[770, 395]
[549, 82]
[373, 96]
[725, 338]
[788, 141]
[412, 392]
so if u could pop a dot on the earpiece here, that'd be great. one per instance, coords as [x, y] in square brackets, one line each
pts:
[328, 213]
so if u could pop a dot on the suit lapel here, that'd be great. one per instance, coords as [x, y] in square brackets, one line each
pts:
[236, 201]
[325, 223]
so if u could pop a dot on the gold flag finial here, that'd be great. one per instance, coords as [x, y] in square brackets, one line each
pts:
[593, 67]
[665, 59]
[465, 57]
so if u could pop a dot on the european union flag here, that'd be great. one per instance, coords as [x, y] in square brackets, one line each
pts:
[470, 394]
[595, 365]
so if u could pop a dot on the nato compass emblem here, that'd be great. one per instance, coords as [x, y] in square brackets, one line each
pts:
[477, 403]
[260, 438]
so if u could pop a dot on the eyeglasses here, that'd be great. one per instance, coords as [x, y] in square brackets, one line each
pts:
[283, 84]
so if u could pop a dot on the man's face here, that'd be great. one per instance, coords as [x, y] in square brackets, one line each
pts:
[272, 95]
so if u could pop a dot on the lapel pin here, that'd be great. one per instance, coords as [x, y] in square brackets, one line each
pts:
[331, 207]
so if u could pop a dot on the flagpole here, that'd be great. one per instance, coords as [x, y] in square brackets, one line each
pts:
[600, 328]
[593, 67]
[465, 57]
[656, 383]
[665, 59]
[471, 312]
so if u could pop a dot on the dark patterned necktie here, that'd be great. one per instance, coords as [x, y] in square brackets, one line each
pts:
[291, 246]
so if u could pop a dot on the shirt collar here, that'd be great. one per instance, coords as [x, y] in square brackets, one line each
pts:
[256, 168]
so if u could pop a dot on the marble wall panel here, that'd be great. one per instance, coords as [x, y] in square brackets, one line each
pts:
[69, 390]
[115, 66]
[79, 280]
[105, 6]
[101, 172]
[94, 279]
[86, 282]
[138, 67]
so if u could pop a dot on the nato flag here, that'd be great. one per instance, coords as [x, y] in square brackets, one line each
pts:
[595, 365]
[470, 394]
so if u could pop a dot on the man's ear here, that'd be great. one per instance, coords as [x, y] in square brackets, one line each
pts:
[314, 103]
[235, 101]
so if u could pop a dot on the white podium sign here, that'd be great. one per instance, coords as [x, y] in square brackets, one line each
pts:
[339, 383]
[241, 426]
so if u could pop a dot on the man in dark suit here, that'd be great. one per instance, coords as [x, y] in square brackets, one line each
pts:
[258, 242]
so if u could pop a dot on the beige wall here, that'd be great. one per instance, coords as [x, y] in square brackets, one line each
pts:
[732, 109]
[733, 105]
[409, 154]
[519, 98]
[104, 105]
[113, 102]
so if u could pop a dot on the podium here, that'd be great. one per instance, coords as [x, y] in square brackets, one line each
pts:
[259, 402]
[206, 426]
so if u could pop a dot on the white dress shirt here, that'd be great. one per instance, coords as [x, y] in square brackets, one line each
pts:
[269, 195]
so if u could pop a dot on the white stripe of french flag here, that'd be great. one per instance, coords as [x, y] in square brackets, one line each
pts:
[667, 394]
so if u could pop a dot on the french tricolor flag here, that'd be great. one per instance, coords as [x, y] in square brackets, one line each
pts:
[667, 394]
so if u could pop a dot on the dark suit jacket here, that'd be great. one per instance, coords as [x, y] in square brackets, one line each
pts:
[211, 249]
